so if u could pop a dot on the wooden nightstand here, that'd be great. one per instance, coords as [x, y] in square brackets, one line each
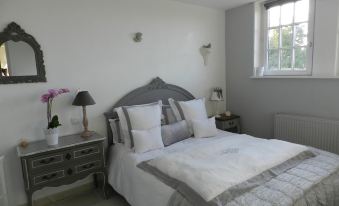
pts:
[73, 159]
[230, 124]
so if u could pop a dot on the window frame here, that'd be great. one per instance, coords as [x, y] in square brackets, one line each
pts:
[309, 46]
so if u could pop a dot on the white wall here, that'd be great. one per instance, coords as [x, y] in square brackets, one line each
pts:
[257, 100]
[88, 45]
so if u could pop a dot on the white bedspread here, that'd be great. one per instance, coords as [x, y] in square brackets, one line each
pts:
[225, 162]
[142, 189]
[138, 187]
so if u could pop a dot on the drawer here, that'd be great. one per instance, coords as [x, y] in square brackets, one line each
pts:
[87, 167]
[232, 123]
[47, 160]
[228, 124]
[86, 151]
[48, 177]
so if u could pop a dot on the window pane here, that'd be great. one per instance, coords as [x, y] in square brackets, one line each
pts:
[302, 10]
[273, 59]
[286, 59]
[274, 16]
[286, 37]
[300, 58]
[273, 37]
[287, 13]
[301, 31]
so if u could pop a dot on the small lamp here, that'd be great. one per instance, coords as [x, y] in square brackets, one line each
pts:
[84, 99]
[217, 97]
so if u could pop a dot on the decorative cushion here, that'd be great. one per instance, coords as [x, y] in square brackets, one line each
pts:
[189, 110]
[175, 132]
[168, 115]
[147, 140]
[204, 128]
[124, 133]
[115, 127]
[138, 117]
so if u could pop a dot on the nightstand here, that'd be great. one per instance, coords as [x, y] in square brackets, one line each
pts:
[230, 124]
[73, 159]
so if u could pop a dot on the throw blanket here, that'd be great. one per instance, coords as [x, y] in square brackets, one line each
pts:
[219, 172]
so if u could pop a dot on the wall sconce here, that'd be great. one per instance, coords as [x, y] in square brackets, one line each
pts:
[205, 50]
[137, 37]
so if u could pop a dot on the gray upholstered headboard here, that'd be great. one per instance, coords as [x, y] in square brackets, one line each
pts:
[152, 92]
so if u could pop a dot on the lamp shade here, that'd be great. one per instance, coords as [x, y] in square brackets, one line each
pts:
[217, 95]
[83, 99]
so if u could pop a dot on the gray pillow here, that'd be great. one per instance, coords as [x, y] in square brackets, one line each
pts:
[168, 115]
[116, 131]
[174, 133]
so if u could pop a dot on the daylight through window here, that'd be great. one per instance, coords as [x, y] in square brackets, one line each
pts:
[289, 37]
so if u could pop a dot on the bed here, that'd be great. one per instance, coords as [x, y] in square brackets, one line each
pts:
[302, 177]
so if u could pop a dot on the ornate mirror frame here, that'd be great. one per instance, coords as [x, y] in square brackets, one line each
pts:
[15, 33]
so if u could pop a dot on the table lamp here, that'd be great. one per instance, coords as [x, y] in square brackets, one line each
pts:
[84, 99]
[217, 97]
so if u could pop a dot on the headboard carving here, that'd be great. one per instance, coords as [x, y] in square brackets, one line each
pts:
[157, 83]
[156, 90]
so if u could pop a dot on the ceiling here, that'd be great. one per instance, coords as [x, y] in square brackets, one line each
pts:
[220, 4]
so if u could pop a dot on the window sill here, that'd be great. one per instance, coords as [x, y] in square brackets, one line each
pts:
[294, 77]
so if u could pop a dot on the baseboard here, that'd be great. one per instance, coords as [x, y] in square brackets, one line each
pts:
[64, 194]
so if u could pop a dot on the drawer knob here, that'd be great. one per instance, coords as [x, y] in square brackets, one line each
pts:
[48, 177]
[68, 156]
[84, 152]
[69, 171]
[47, 161]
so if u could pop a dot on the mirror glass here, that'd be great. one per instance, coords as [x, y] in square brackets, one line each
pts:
[17, 59]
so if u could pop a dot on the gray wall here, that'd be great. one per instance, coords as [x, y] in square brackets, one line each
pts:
[257, 100]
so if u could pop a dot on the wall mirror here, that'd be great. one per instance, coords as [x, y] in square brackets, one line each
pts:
[21, 57]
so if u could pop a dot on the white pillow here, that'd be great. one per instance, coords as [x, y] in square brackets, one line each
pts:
[204, 128]
[138, 117]
[189, 110]
[147, 140]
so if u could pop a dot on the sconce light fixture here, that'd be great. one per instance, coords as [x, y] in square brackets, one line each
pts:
[205, 50]
[138, 37]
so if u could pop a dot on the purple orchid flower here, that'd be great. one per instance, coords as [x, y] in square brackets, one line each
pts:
[48, 98]
[63, 90]
[53, 93]
[44, 98]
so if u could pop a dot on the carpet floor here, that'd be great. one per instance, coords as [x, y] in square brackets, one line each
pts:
[92, 198]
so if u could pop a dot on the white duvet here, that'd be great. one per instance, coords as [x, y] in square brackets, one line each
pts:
[214, 167]
[196, 162]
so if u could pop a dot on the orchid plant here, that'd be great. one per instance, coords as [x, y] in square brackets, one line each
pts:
[53, 122]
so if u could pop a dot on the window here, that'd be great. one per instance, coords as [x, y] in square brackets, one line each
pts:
[289, 37]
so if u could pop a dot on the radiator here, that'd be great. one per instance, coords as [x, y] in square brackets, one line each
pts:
[311, 131]
[3, 191]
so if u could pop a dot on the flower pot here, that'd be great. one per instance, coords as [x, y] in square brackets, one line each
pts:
[52, 136]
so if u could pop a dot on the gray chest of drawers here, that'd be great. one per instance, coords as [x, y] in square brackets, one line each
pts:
[73, 159]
